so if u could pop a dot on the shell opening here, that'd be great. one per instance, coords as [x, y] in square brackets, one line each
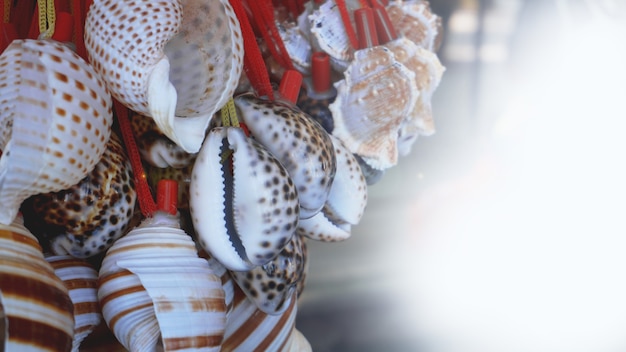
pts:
[229, 195]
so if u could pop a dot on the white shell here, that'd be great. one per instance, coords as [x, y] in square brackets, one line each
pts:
[154, 288]
[297, 46]
[414, 20]
[329, 33]
[373, 99]
[35, 308]
[177, 61]
[81, 280]
[56, 119]
[246, 219]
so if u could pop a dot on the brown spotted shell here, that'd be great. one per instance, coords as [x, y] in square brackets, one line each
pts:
[55, 116]
[177, 61]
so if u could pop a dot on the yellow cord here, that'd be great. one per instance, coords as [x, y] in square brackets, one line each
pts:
[229, 119]
[47, 18]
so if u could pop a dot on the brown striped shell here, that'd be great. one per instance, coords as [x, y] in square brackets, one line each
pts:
[55, 116]
[177, 61]
[154, 290]
[36, 312]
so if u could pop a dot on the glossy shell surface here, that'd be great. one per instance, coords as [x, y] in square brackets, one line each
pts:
[177, 61]
[55, 119]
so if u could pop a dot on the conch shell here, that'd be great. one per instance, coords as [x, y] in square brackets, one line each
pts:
[55, 116]
[177, 61]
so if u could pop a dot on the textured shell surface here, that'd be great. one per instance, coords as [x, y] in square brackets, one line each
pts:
[328, 30]
[298, 142]
[178, 62]
[414, 20]
[271, 286]
[375, 96]
[297, 46]
[155, 290]
[85, 219]
[81, 280]
[246, 216]
[155, 148]
[56, 118]
[37, 313]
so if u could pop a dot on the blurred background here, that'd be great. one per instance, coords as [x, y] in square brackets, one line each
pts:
[505, 230]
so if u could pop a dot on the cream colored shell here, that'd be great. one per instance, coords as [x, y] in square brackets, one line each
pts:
[177, 61]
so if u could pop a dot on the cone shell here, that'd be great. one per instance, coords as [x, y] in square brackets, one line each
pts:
[36, 310]
[373, 99]
[175, 61]
[56, 119]
[246, 216]
[81, 280]
[85, 219]
[153, 289]
[414, 20]
[298, 142]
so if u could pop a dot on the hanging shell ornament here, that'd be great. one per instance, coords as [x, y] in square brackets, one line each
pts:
[177, 61]
[246, 216]
[36, 313]
[85, 219]
[328, 34]
[271, 286]
[81, 280]
[299, 143]
[155, 291]
[297, 46]
[414, 20]
[374, 98]
[56, 119]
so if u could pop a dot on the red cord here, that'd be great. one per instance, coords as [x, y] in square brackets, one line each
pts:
[79, 26]
[345, 17]
[144, 194]
[263, 11]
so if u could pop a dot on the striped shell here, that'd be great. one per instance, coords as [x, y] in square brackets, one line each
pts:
[36, 313]
[81, 280]
[246, 216]
[154, 290]
[299, 143]
[177, 61]
[86, 218]
[55, 116]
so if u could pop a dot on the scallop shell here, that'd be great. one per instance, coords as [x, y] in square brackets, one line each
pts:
[56, 119]
[298, 142]
[81, 280]
[414, 20]
[373, 99]
[36, 310]
[154, 289]
[271, 286]
[246, 218]
[175, 61]
[85, 219]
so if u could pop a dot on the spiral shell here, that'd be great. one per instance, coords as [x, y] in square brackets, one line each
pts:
[153, 289]
[246, 216]
[177, 61]
[81, 280]
[55, 116]
[36, 310]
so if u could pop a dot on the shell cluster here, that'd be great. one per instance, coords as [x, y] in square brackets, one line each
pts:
[242, 181]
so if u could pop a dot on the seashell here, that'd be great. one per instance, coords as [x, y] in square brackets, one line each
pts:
[298, 142]
[250, 329]
[345, 204]
[81, 280]
[35, 308]
[428, 72]
[414, 20]
[85, 219]
[297, 46]
[271, 286]
[178, 62]
[154, 289]
[155, 148]
[246, 216]
[373, 99]
[329, 35]
[56, 119]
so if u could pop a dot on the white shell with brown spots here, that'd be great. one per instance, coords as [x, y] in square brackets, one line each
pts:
[246, 218]
[373, 99]
[95, 212]
[271, 286]
[414, 20]
[55, 116]
[177, 61]
[301, 145]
